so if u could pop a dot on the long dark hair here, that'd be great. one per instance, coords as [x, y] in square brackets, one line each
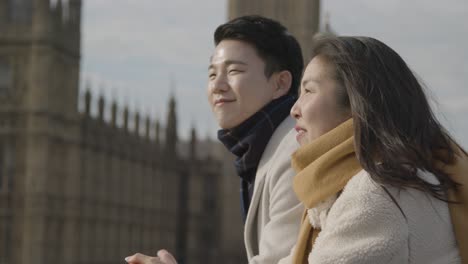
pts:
[396, 132]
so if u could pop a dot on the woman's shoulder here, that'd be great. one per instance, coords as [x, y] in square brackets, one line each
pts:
[408, 212]
[363, 199]
[363, 192]
[363, 184]
[370, 223]
[362, 226]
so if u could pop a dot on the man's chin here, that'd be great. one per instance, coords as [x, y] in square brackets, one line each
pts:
[228, 124]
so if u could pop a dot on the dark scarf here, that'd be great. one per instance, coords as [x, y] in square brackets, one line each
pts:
[248, 140]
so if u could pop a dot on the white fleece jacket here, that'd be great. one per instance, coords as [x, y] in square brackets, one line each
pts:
[363, 225]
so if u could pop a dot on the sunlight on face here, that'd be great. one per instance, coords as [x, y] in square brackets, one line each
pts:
[237, 85]
[317, 110]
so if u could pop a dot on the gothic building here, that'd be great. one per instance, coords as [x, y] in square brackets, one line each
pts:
[83, 188]
[301, 17]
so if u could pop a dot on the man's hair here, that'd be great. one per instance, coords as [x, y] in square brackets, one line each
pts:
[274, 44]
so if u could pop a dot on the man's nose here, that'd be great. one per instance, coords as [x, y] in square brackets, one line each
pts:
[219, 84]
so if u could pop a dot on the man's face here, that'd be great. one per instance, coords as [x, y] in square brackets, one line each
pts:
[237, 85]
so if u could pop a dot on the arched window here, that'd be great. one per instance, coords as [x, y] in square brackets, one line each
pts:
[5, 76]
[6, 181]
[2, 168]
[21, 11]
[7, 167]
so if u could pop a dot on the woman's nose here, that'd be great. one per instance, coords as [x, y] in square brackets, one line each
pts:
[295, 111]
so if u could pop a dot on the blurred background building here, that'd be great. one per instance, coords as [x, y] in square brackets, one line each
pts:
[78, 187]
[301, 17]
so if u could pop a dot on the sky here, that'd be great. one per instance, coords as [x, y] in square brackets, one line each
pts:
[140, 52]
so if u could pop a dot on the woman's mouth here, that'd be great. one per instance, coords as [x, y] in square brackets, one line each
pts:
[300, 132]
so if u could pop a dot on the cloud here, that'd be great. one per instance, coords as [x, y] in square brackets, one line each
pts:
[149, 30]
[431, 36]
[133, 47]
[456, 105]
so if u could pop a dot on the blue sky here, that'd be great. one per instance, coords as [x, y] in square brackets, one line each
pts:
[133, 51]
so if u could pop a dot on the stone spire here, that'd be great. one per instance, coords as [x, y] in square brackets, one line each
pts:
[125, 118]
[101, 105]
[59, 12]
[157, 133]
[171, 129]
[74, 7]
[147, 128]
[114, 113]
[193, 143]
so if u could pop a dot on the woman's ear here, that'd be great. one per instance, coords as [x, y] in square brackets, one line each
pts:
[283, 81]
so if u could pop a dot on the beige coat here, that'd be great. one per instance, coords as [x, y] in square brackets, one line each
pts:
[274, 215]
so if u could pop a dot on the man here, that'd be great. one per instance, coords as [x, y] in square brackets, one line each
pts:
[254, 75]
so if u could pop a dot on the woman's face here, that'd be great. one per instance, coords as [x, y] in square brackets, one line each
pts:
[317, 110]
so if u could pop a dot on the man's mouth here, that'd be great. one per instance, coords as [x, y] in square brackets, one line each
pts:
[222, 101]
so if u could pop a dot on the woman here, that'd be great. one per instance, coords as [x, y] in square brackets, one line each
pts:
[373, 166]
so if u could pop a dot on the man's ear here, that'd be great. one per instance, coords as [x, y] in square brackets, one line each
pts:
[283, 81]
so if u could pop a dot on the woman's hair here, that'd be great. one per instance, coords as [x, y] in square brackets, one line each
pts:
[396, 132]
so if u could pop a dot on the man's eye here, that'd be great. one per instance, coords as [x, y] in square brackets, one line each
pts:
[211, 75]
[234, 71]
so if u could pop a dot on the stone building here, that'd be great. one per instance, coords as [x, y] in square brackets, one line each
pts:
[82, 188]
[301, 17]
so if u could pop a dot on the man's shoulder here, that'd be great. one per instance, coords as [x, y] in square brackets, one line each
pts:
[283, 139]
[279, 149]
